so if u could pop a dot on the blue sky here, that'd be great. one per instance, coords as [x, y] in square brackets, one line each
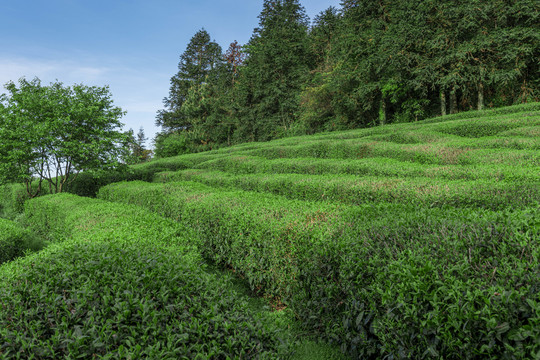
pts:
[131, 45]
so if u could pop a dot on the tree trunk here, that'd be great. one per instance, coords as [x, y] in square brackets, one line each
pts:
[453, 101]
[443, 103]
[382, 114]
[480, 95]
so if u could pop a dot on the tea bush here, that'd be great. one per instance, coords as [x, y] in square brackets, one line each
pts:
[350, 189]
[379, 279]
[376, 166]
[120, 282]
[15, 241]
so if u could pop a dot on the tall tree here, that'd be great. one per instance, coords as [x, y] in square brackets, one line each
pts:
[275, 70]
[316, 109]
[138, 153]
[360, 66]
[198, 64]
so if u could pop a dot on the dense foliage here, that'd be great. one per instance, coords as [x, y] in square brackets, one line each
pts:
[15, 241]
[364, 64]
[48, 134]
[425, 244]
[118, 282]
[416, 240]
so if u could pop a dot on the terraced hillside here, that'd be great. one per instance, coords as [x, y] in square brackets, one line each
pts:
[411, 240]
[417, 240]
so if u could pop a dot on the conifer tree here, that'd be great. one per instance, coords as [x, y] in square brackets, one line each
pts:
[316, 108]
[274, 72]
[198, 64]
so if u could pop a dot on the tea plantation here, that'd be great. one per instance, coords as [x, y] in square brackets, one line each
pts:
[407, 241]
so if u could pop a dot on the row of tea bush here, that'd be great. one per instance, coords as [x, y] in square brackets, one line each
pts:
[381, 279]
[117, 282]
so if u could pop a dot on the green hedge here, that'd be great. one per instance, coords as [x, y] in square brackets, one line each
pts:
[375, 166]
[393, 280]
[354, 190]
[13, 197]
[89, 183]
[15, 241]
[532, 108]
[426, 154]
[120, 283]
[476, 128]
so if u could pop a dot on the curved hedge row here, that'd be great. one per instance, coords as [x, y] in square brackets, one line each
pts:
[15, 241]
[120, 282]
[382, 279]
[353, 190]
[376, 166]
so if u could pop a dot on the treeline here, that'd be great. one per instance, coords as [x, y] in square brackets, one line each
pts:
[365, 64]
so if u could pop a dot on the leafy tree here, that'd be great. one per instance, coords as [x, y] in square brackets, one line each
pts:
[356, 78]
[51, 133]
[368, 63]
[316, 110]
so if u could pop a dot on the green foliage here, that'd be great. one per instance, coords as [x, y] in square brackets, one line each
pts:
[142, 291]
[349, 189]
[200, 61]
[173, 144]
[183, 142]
[138, 153]
[414, 240]
[12, 199]
[50, 133]
[272, 77]
[89, 183]
[331, 263]
[16, 241]
[364, 64]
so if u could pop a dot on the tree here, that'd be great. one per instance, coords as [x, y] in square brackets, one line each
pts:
[199, 63]
[138, 152]
[51, 133]
[274, 71]
[316, 110]
[235, 57]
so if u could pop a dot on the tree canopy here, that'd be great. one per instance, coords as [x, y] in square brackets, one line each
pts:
[366, 63]
[199, 62]
[51, 133]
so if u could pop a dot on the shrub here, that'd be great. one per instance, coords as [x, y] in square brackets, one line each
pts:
[15, 241]
[171, 145]
[12, 241]
[120, 282]
[381, 279]
[350, 189]
[13, 197]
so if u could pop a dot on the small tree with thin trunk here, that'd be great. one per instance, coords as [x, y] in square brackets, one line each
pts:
[48, 134]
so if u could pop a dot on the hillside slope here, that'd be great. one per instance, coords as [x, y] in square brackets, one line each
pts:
[414, 240]
[417, 240]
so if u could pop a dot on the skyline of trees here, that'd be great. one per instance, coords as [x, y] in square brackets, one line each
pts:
[365, 64]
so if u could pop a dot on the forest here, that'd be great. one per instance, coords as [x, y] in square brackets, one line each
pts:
[367, 63]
